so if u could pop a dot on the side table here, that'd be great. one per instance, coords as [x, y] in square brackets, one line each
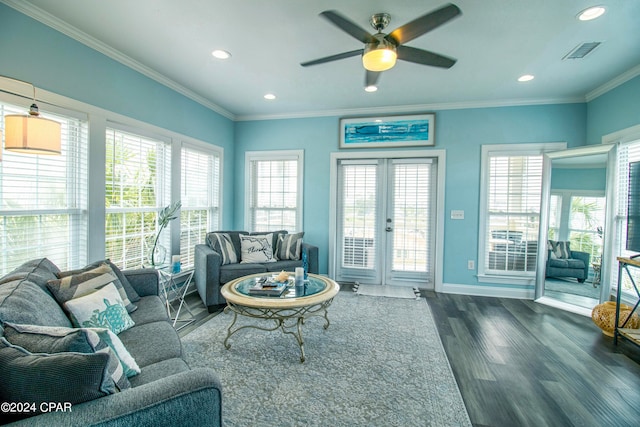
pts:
[174, 289]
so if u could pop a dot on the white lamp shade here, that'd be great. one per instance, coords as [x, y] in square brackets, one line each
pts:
[30, 134]
[379, 59]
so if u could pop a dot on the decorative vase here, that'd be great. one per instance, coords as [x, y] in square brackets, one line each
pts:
[604, 316]
[157, 255]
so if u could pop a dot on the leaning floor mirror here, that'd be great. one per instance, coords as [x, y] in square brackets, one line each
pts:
[574, 245]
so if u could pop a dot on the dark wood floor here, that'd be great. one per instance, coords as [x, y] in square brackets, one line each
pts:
[519, 363]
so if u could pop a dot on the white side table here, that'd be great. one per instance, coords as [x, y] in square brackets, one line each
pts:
[174, 289]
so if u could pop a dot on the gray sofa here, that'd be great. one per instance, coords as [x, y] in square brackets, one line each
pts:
[166, 392]
[210, 274]
[576, 266]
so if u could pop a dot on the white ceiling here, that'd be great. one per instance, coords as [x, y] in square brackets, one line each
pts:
[494, 41]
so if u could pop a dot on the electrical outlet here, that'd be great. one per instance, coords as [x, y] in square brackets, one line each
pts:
[471, 265]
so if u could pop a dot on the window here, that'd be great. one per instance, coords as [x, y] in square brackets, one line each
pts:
[199, 193]
[43, 199]
[274, 190]
[626, 154]
[510, 210]
[138, 171]
[585, 219]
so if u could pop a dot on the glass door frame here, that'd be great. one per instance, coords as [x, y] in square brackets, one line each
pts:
[438, 248]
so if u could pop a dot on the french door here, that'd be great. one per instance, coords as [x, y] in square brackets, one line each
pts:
[385, 221]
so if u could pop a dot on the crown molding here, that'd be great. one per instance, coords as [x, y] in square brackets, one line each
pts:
[403, 109]
[57, 24]
[612, 84]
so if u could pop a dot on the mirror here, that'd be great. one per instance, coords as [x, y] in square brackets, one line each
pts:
[573, 244]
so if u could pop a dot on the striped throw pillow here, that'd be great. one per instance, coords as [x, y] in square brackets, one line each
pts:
[221, 243]
[289, 246]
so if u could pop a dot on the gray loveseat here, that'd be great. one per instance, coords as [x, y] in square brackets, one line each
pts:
[165, 393]
[211, 273]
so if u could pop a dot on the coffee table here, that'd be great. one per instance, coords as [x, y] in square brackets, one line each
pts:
[288, 311]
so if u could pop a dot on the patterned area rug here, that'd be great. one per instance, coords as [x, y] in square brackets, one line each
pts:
[380, 363]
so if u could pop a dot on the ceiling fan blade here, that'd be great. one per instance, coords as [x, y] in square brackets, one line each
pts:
[424, 57]
[333, 57]
[371, 78]
[348, 26]
[424, 24]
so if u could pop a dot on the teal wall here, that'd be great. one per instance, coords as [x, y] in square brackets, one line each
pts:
[460, 132]
[615, 110]
[588, 179]
[35, 53]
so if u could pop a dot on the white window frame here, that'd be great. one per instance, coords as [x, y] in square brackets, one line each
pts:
[163, 194]
[488, 151]
[214, 213]
[73, 249]
[276, 155]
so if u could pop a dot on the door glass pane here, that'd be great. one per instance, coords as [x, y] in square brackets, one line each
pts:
[411, 217]
[359, 193]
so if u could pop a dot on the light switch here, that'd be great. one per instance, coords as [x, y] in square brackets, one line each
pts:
[457, 214]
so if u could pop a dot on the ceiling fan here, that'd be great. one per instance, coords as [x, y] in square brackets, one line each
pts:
[381, 50]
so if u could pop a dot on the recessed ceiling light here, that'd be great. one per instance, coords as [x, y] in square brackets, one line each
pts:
[526, 78]
[591, 13]
[221, 54]
[371, 88]
[270, 96]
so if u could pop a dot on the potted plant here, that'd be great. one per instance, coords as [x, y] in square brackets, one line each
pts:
[166, 215]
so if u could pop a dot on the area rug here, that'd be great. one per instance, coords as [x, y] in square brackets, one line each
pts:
[380, 363]
[386, 291]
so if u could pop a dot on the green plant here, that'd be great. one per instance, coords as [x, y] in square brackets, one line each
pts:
[166, 215]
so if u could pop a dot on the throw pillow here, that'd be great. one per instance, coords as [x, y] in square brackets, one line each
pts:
[129, 289]
[129, 364]
[561, 250]
[86, 282]
[102, 309]
[256, 249]
[289, 246]
[60, 377]
[52, 339]
[221, 243]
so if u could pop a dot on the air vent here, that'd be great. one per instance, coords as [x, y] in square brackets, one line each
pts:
[582, 50]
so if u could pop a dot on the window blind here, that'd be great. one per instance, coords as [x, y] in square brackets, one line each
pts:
[273, 193]
[200, 182]
[43, 199]
[513, 213]
[626, 153]
[138, 173]
[359, 211]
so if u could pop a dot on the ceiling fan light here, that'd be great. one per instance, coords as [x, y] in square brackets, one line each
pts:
[371, 88]
[379, 59]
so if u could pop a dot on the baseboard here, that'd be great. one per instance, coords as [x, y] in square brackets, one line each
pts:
[487, 291]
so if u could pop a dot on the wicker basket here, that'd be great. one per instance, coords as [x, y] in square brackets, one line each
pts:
[604, 316]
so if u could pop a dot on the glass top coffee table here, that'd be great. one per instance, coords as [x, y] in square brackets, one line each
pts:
[288, 310]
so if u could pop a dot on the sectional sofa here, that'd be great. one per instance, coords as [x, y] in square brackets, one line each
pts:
[85, 385]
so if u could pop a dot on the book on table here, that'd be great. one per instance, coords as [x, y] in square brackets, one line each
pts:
[268, 288]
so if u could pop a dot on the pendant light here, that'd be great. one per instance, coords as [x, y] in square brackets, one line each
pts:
[31, 133]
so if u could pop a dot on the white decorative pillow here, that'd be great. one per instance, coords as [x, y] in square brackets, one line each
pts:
[101, 309]
[256, 249]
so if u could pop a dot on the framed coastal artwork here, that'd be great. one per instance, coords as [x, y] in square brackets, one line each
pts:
[391, 131]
